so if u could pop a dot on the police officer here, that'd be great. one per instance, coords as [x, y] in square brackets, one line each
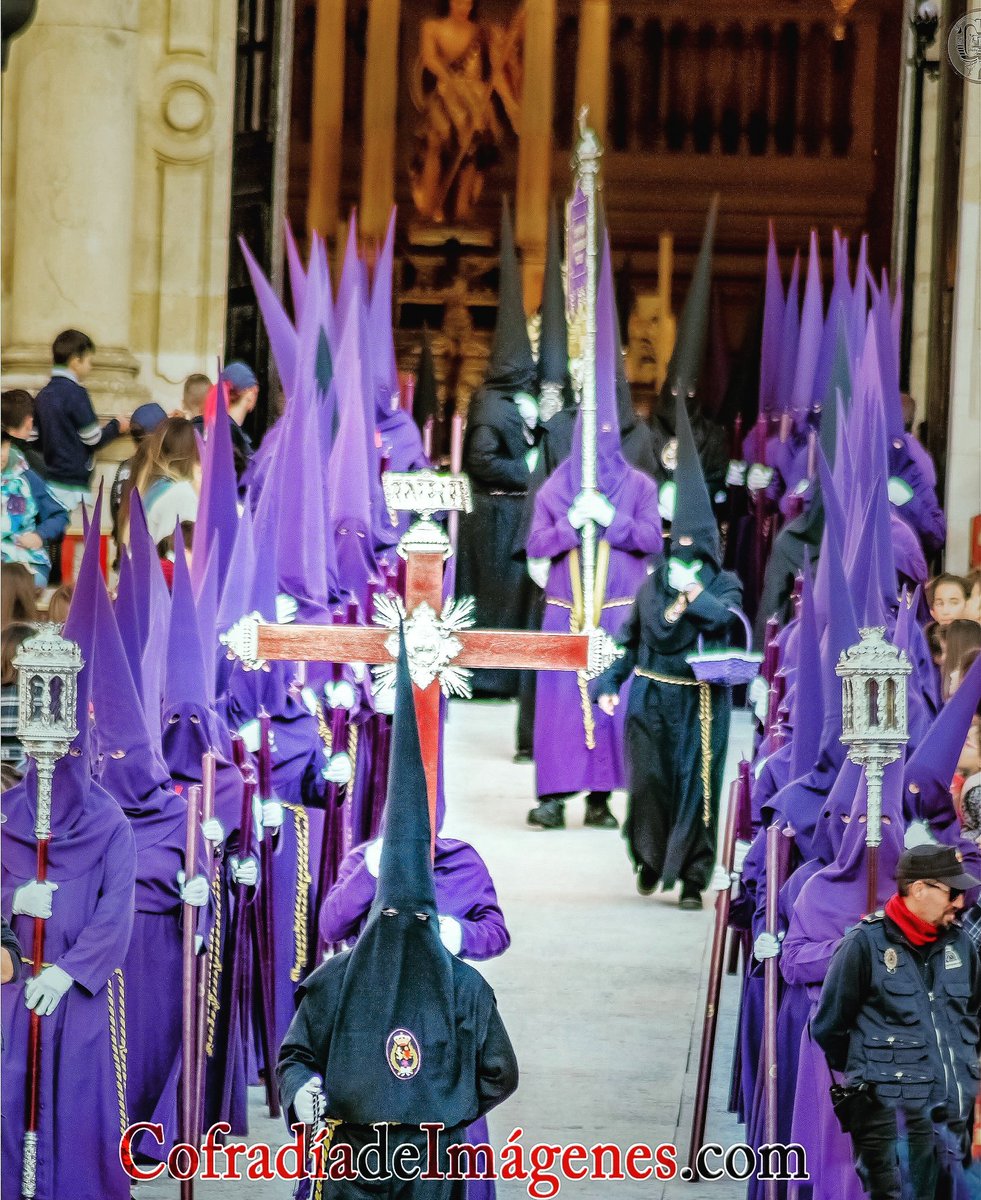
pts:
[899, 1015]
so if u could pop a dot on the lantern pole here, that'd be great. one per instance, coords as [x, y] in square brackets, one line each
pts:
[874, 723]
[48, 667]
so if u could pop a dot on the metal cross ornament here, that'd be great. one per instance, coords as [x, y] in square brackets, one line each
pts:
[440, 648]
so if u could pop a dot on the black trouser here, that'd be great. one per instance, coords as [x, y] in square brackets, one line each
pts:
[594, 798]
[874, 1140]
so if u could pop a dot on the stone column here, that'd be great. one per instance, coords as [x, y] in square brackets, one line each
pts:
[381, 78]
[535, 145]
[593, 63]
[327, 118]
[183, 191]
[72, 230]
[964, 437]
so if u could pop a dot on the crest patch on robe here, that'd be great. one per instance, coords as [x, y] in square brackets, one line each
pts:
[402, 1052]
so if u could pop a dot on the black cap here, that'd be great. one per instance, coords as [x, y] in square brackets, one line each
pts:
[945, 864]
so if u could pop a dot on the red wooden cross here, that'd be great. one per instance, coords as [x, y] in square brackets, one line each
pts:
[439, 643]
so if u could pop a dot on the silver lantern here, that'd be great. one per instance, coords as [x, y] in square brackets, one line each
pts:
[874, 718]
[48, 667]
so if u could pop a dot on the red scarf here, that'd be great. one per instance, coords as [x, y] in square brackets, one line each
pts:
[916, 931]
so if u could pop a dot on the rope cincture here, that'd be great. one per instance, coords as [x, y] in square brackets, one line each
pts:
[705, 728]
[117, 1038]
[214, 968]
[301, 900]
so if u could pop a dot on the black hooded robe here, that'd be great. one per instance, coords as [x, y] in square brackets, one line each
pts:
[665, 825]
[489, 1072]
[494, 450]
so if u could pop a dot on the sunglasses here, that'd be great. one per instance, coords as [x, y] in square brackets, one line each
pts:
[952, 893]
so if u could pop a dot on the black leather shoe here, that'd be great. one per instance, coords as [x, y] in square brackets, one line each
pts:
[647, 880]
[549, 814]
[598, 816]
[523, 756]
[691, 898]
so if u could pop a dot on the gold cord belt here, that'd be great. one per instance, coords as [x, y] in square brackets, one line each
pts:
[301, 900]
[705, 728]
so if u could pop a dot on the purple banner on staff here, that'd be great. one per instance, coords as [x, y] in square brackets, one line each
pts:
[576, 250]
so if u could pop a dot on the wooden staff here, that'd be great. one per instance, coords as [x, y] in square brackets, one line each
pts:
[265, 921]
[771, 986]
[208, 764]
[238, 993]
[189, 960]
[42, 831]
[714, 990]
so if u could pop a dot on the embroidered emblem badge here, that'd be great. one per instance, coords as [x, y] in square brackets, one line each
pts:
[951, 959]
[669, 454]
[891, 959]
[402, 1052]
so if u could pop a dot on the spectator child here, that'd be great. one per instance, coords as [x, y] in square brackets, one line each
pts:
[68, 431]
[947, 597]
[18, 595]
[59, 603]
[196, 388]
[31, 517]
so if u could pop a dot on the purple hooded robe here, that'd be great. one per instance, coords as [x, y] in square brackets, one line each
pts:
[577, 746]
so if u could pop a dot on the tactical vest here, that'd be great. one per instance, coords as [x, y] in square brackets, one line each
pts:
[915, 1039]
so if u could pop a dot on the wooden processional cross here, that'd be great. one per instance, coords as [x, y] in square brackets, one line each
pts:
[441, 645]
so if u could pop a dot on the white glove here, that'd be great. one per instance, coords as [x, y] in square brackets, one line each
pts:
[721, 880]
[244, 871]
[43, 992]
[310, 702]
[384, 698]
[286, 608]
[538, 569]
[213, 830]
[596, 507]
[736, 475]
[34, 899]
[531, 459]
[682, 575]
[918, 834]
[767, 946]
[451, 934]
[528, 407]
[373, 857]
[899, 491]
[339, 694]
[303, 1101]
[666, 497]
[739, 855]
[272, 814]
[251, 734]
[758, 477]
[193, 891]
[338, 770]
[759, 697]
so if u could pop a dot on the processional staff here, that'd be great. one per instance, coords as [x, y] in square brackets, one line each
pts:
[581, 306]
[48, 666]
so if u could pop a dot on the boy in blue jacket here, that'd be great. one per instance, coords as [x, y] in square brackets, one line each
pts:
[68, 430]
